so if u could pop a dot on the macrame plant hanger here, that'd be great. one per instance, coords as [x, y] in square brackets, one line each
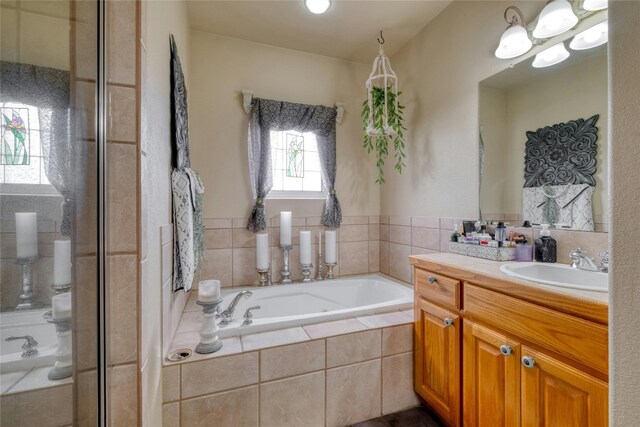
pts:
[382, 76]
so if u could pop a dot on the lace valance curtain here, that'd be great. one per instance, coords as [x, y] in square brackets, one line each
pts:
[268, 115]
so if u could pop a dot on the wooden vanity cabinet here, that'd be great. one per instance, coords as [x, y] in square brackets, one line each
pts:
[483, 358]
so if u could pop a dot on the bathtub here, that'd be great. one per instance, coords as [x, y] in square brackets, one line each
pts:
[283, 306]
[20, 323]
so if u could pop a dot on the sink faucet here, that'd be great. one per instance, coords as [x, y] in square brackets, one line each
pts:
[227, 315]
[581, 261]
[604, 261]
[30, 345]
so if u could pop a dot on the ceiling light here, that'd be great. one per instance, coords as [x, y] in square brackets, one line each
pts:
[552, 56]
[515, 40]
[556, 18]
[594, 36]
[317, 6]
[594, 4]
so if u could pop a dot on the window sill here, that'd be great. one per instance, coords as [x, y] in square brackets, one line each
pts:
[296, 195]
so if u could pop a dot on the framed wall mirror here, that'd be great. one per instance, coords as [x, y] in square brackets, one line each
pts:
[543, 143]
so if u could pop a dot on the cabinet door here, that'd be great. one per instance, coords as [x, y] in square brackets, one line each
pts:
[556, 394]
[437, 360]
[490, 378]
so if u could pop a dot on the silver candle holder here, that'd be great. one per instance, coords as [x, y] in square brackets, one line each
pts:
[306, 272]
[209, 341]
[26, 294]
[330, 267]
[63, 367]
[265, 277]
[319, 275]
[285, 275]
[61, 289]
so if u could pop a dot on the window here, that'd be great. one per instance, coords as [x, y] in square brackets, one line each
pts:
[295, 166]
[21, 154]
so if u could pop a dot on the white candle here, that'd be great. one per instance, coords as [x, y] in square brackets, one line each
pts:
[330, 247]
[26, 235]
[285, 228]
[61, 262]
[61, 306]
[209, 290]
[262, 251]
[320, 246]
[305, 247]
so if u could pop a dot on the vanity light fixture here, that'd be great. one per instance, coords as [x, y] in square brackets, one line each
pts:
[317, 6]
[556, 18]
[552, 56]
[594, 5]
[594, 36]
[515, 40]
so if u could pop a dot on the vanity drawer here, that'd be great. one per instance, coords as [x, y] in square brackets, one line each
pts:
[578, 339]
[437, 288]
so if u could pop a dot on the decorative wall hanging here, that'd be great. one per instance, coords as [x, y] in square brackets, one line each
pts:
[186, 186]
[562, 154]
[382, 114]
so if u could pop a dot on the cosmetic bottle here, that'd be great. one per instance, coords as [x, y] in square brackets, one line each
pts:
[455, 235]
[501, 233]
[545, 246]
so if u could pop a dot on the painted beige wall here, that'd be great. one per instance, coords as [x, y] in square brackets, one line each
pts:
[160, 18]
[220, 68]
[577, 91]
[624, 204]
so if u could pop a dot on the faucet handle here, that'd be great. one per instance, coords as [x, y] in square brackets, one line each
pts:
[30, 345]
[605, 256]
[248, 315]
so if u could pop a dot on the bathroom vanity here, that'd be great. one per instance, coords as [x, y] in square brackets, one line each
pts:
[498, 351]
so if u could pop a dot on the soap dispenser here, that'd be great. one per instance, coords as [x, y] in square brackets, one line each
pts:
[546, 246]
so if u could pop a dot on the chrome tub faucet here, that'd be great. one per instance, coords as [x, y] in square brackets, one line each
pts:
[582, 262]
[30, 345]
[227, 315]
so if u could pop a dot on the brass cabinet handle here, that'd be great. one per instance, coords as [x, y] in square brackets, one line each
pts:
[432, 279]
[505, 350]
[448, 322]
[528, 362]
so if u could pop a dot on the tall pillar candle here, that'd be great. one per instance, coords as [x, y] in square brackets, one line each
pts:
[26, 235]
[285, 228]
[330, 247]
[305, 247]
[61, 262]
[262, 251]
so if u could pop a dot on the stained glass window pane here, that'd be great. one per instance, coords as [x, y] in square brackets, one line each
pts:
[295, 155]
[15, 136]
[295, 162]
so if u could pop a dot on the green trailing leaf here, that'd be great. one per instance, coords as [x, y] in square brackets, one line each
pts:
[382, 138]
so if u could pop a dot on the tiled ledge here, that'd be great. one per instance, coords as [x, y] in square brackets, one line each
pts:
[187, 335]
[29, 380]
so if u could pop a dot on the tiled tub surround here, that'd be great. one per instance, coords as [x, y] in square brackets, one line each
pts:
[326, 374]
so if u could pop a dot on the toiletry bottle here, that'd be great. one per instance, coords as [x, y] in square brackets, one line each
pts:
[455, 235]
[501, 233]
[546, 246]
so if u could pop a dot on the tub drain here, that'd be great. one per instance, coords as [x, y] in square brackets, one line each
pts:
[179, 355]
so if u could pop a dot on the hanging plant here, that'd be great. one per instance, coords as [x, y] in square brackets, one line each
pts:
[382, 114]
[373, 125]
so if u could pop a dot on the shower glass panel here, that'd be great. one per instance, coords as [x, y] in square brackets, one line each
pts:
[50, 210]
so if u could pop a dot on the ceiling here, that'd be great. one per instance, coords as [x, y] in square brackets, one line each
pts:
[348, 30]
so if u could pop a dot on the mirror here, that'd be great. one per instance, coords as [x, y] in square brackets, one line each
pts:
[543, 137]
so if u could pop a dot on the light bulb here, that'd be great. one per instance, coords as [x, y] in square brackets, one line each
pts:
[552, 56]
[556, 18]
[317, 6]
[594, 36]
[595, 4]
[514, 42]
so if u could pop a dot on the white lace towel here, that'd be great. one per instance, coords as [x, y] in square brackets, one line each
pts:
[573, 205]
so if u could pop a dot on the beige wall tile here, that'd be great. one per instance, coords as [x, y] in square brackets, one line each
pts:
[123, 109]
[397, 383]
[85, 318]
[273, 338]
[218, 265]
[243, 238]
[123, 196]
[87, 398]
[384, 219]
[294, 402]
[400, 220]
[296, 359]
[354, 220]
[219, 223]
[374, 256]
[374, 219]
[383, 320]
[425, 221]
[397, 339]
[122, 42]
[399, 266]
[47, 406]
[219, 238]
[354, 258]
[353, 393]
[353, 348]
[123, 308]
[336, 327]
[171, 383]
[384, 257]
[221, 374]
[354, 233]
[374, 231]
[244, 267]
[445, 238]
[237, 408]
[171, 414]
[400, 234]
[124, 395]
[428, 238]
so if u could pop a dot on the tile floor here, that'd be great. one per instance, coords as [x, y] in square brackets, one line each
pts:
[414, 417]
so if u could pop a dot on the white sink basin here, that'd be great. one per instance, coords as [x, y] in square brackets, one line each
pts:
[558, 275]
